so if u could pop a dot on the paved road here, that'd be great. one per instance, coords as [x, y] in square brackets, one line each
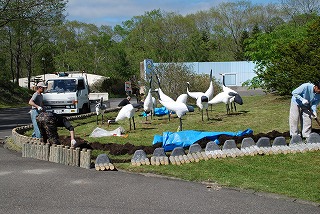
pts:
[11, 118]
[34, 186]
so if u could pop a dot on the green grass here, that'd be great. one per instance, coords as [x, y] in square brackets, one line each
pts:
[260, 113]
[13, 96]
[294, 175]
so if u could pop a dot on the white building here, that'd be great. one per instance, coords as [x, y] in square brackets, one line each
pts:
[237, 72]
[23, 82]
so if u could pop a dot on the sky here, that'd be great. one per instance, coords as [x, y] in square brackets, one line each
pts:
[114, 12]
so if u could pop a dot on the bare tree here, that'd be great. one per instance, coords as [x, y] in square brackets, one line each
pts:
[294, 8]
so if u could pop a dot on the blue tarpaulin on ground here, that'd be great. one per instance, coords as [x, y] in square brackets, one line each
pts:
[158, 112]
[171, 140]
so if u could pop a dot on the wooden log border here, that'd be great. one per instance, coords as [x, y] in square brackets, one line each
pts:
[34, 148]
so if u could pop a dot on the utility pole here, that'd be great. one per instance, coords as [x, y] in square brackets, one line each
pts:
[43, 68]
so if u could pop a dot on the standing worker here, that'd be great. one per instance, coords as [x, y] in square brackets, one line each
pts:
[49, 122]
[37, 107]
[303, 107]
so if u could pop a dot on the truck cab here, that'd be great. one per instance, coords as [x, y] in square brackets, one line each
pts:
[67, 94]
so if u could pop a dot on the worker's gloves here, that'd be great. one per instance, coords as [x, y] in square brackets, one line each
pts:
[73, 142]
[305, 102]
[40, 108]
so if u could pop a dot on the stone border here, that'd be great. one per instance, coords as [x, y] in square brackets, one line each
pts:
[229, 149]
[34, 148]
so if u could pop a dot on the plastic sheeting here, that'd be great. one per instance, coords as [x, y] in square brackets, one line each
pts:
[171, 140]
[158, 112]
[99, 132]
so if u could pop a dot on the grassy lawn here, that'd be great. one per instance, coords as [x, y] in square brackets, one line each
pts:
[260, 113]
[294, 175]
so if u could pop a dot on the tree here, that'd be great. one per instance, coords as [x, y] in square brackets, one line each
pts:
[287, 57]
[25, 22]
[174, 77]
[231, 19]
[294, 8]
[239, 54]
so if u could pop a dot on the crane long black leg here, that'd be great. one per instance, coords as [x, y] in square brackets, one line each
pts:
[134, 125]
[180, 124]
[235, 108]
[130, 123]
[202, 114]
[207, 114]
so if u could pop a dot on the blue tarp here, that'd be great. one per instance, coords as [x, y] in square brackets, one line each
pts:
[158, 112]
[170, 140]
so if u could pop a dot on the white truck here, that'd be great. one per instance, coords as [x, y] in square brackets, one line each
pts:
[67, 94]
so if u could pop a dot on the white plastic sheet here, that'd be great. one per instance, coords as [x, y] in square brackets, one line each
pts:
[99, 132]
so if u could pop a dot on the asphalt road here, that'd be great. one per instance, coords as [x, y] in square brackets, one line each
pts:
[33, 186]
[11, 118]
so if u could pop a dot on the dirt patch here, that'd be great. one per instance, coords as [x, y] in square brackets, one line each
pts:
[112, 148]
[128, 148]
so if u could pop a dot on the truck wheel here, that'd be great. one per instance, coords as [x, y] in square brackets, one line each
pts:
[88, 108]
[85, 109]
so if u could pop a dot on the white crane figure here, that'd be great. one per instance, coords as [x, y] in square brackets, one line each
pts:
[154, 102]
[148, 104]
[209, 92]
[202, 98]
[128, 112]
[178, 107]
[162, 96]
[202, 103]
[223, 97]
[182, 98]
[100, 109]
[237, 98]
[194, 95]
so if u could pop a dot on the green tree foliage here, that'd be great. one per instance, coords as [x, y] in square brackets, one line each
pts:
[235, 30]
[24, 29]
[287, 57]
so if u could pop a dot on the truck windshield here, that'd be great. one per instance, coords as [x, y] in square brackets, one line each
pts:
[61, 86]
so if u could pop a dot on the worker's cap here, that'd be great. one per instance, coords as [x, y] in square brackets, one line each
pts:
[41, 84]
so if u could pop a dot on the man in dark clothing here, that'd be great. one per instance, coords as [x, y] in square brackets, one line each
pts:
[125, 101]
[48, 123]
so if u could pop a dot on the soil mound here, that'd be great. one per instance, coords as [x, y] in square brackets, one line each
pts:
[128, 148]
